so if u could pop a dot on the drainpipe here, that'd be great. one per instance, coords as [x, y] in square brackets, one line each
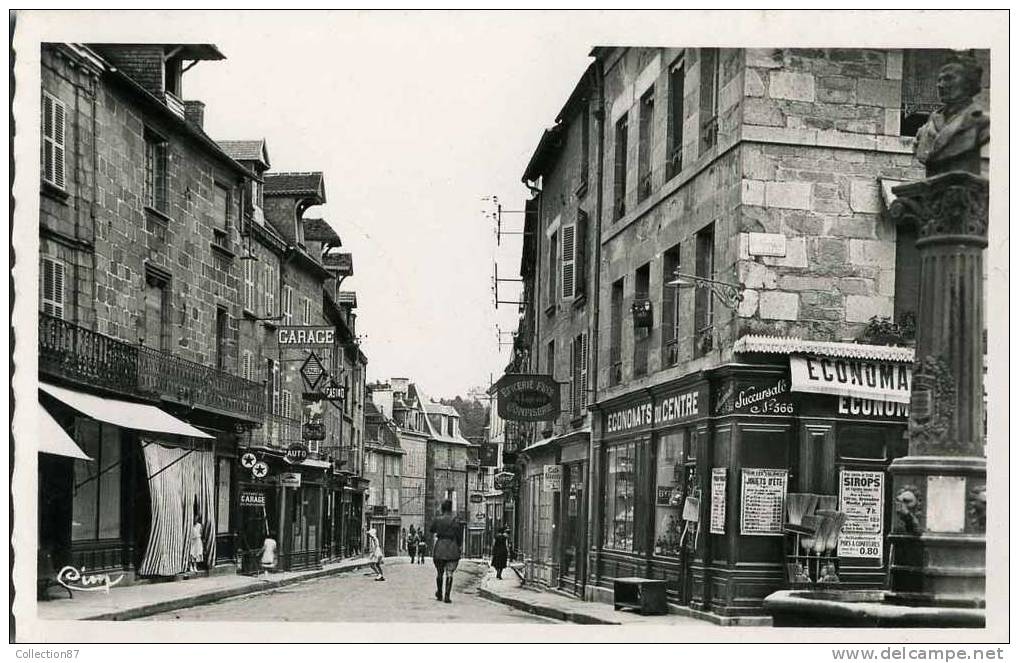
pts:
[594, 482]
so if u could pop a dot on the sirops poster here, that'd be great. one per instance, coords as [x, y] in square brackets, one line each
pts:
[763, 501]
[861, 498]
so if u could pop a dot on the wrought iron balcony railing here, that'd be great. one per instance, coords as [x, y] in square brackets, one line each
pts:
[75, 354]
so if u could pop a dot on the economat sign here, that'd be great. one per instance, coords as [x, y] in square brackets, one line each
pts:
[525, 397]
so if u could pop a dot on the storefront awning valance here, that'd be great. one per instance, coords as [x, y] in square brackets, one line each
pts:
[557, 439]
[311, 462]
[787, 346]
[125, 414]
[54, 440]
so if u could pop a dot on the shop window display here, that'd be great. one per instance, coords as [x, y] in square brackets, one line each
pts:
[675, 480]
[619, 497]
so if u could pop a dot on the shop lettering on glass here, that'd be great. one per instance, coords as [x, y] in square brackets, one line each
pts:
[629, 418]
[772, 398]
[855, 378]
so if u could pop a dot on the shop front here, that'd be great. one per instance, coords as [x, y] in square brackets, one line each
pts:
[696, 474]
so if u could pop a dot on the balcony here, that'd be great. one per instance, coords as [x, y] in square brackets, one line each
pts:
[277, 432]
[81, 356]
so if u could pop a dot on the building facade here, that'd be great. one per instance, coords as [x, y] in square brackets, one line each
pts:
[383, 461]
[745, 261]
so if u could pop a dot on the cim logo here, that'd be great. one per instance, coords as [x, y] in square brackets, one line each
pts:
[80, 581]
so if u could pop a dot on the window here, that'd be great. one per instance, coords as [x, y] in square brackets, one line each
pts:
[919, 86]
[670, 307]
[620, 498]
[269, 291]
[220, 213]
[675, 480]
[286, 404]
[222, 322]
[157, 311]
[616, 334]
[96, 501]
[907, 274]
[372, 463]
[645, 143]
[54, 119]
[553, 272]
[619, 197]
[52, 290]
[641, 334]
[247, 365]
[172, 74]
[287, 305]
[677, 85]
[249, 284]
[568, 261]
[704, 303]
[580, 255]
[223, 466]
[306, 319]
[272, 386]
[585, 148]
[578, 396]
[156, 158]
[709, 98]
[550, 358]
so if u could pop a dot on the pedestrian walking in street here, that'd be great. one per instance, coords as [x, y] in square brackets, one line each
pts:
[269, 553]
[445, 550]
[412, 544]
[196, 547]
[499, 553]
[422, 548]
[375, 554]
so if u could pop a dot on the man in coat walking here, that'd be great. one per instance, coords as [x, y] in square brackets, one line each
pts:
[445, 550]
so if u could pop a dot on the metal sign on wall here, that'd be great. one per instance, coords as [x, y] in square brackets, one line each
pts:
[524, 397]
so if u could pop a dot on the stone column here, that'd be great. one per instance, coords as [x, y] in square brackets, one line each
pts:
[939, 487]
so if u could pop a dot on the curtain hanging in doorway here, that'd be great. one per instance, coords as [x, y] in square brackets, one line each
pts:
[181, 484]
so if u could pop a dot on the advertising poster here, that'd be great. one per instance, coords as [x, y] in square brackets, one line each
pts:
[763, 497]
[717, 524]
[861, 497]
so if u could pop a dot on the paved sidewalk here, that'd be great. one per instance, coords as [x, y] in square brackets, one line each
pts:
[145, 599]
[570, 609]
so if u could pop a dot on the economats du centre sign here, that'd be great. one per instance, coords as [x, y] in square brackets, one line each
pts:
[525, 397]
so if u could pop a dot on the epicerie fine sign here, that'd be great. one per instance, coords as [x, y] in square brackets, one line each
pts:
[305, 337]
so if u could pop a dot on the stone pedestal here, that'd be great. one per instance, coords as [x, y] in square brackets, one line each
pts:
[939, 487]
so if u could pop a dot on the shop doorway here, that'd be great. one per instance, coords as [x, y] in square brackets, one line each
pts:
[259, 516]
[303, 519]
[573, 512]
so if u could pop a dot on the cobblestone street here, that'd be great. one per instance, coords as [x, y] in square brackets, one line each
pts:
[407, 595]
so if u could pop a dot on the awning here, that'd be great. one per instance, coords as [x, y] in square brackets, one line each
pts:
[855, 378]
[786, 345]
[54, 440]
[123, 413]
[311, 462]
[557, 439]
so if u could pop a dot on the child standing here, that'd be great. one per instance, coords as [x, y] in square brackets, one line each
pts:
[269, 553]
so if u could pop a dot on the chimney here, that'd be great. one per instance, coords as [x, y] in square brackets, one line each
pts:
[194, 111]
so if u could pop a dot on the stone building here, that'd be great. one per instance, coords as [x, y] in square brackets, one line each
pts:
[446, 458]
[745, 260]
[140, 314]
[383, 460]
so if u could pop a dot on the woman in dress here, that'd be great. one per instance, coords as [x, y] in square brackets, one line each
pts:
[375, 554]
[499, 553]
[196, 548]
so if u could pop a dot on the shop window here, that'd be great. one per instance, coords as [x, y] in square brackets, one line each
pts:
[674, 157]
[670, 308]
[620, 497]
[858, 442]
[619, 197]
[709, 98]
[675, 480]
[96, 503]
[645, 143]
[223, 466]
[616, 334]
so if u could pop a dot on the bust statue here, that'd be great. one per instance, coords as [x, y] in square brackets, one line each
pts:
[953, 135]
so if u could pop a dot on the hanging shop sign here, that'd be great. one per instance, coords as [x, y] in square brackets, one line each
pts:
[862, 499]
[525, 397]
[332, 392]
[248, 460]
[342, 262]
[763, 501]
[289, 336]
[290, 479]
[314, 424]
[252, 498]
[296, 453]
[553, 475]
[477, 498]
[504, 480]
[717, 522]
[873, 380]
[681, 407]
[259, 470]
[313, 371]
[770, 397]
[629, 418]
[488, 455]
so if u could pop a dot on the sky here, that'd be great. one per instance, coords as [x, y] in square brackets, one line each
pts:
[413, 119]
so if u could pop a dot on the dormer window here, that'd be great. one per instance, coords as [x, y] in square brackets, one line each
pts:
[172, 75]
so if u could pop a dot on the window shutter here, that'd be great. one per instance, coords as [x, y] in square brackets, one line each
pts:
[54, 121]
[569, 255]
[162, 170]
[53, 287]
[270, 293]
[275, 387]
[249, 285]
[583, 372]
[288, 297]
[580, 251]
[287, 412]
[246, 358]
[574, 382]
